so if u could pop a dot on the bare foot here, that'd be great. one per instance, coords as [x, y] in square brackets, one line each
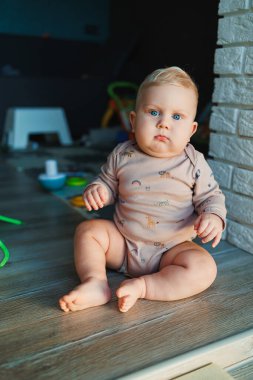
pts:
[93, 292]
[129, 292]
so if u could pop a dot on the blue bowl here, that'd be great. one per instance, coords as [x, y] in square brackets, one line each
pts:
[52, 183]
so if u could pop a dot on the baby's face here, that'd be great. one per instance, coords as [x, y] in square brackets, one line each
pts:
[164, 120]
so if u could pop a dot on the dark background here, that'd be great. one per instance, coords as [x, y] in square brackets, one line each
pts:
[134, 39]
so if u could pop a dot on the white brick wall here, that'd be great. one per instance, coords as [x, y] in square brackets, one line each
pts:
[231, 123]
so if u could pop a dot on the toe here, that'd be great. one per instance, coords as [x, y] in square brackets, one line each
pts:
[63, 305]
[124, 304]
[123, 309]
[119, 293]
[122, 291]
[67, 302]
[75, 307]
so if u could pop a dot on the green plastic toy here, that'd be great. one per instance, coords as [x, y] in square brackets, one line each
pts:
[6, 253]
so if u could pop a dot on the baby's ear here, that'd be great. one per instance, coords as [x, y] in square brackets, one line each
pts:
[132, 117]
[194, 127]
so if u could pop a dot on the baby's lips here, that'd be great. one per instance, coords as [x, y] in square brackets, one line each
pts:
[161, 138]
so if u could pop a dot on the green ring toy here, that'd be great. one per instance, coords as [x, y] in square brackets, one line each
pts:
[5, 252]
[76, 181]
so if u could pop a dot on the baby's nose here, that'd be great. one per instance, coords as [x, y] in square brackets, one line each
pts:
[162, 124]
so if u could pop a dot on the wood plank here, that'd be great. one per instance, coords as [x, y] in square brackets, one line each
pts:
[44, 230]
[39, 278]
[114, 355]
[218, 314]
[223, 352]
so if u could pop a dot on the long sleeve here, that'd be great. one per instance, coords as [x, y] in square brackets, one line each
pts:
[108, 177]
[207, 196]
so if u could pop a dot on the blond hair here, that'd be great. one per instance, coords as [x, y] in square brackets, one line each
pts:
[169, 75]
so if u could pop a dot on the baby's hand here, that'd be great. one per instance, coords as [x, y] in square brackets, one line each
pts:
[95, 196]
[209, 227]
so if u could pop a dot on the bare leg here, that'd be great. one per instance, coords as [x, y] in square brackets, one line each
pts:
[96, 243]
[185, 270]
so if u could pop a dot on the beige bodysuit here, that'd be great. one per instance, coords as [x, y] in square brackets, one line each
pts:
[158, 200]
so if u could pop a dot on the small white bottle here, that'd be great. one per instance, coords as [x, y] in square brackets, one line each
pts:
[51, 168]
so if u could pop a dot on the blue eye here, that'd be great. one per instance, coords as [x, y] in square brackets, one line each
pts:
[176, 116]
[154, 113]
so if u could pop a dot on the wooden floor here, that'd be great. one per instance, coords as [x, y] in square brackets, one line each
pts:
[155, 340]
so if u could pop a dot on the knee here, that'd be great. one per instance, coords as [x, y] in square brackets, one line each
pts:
[96, 228]
[200, 265]
[85, 227]
[207, 269]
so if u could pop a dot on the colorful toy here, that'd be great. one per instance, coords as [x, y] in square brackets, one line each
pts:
[77, 201]
[121, 101]
[10, 220]
[51, 179]
[3, 247]
[6, 253]
[76, 181]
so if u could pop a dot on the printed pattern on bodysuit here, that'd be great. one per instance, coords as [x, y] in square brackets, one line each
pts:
[158, 199]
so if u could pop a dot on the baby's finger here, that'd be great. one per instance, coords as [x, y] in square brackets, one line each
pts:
[91, 201]
[87, 204]
[203, 225]
[97, 198]
[102, 193]
[210, 236]
[217, 239]
[206, 232]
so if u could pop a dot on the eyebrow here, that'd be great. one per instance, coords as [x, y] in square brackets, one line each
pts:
[151, 106]
[183, 112]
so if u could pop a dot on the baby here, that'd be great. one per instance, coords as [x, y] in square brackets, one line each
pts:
[165, 196]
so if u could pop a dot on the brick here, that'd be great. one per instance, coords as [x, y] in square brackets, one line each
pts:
[231, 148]
[239, 207]
[240, 235]
[229, 60]
[222, 173]
[233, 90]
[245, 123]
[243, 181]
[234, 29]
[226, 6]
[224, 119]
[248, 67]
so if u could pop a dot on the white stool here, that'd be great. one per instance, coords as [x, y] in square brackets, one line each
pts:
[21, 122]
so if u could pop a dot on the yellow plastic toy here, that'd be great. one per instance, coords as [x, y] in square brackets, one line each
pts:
[77, 201]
